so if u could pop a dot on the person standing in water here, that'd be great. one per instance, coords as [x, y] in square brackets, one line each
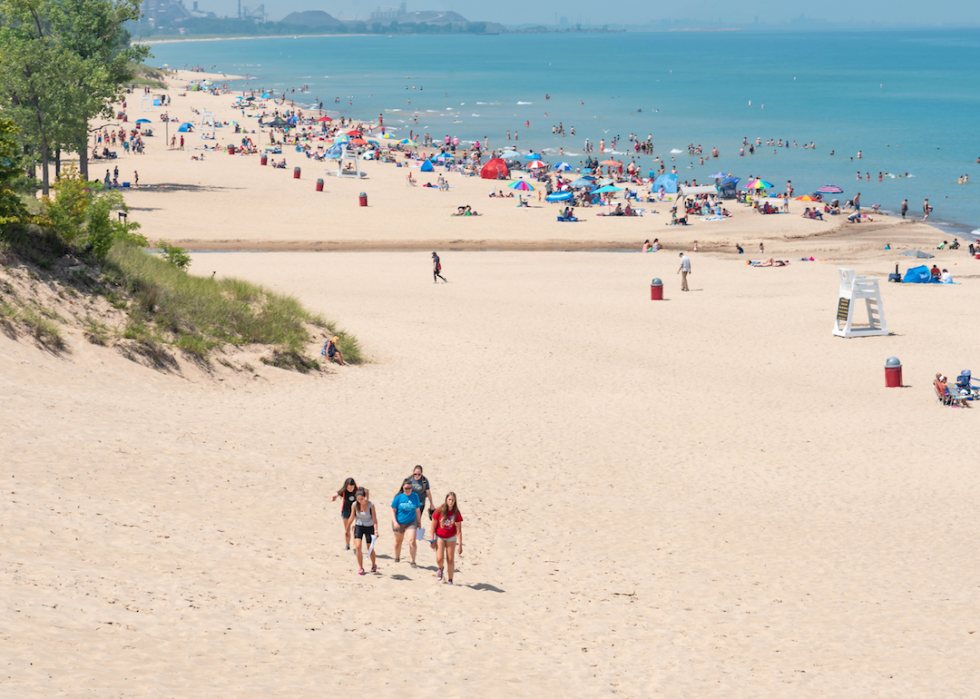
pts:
[905, 207]
[348, 493]
[926, 210]
[364, 519]
[447, 537]
[437, 270]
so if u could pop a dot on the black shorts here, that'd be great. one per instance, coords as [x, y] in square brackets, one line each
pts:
[361, 531]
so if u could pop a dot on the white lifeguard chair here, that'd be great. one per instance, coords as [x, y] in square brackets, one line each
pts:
[347, 156]
[853, 289]
[146, 103]
[207, 121]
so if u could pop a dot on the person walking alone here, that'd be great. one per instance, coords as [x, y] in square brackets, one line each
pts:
[437, 270]
[905, 207]
[684, 270]
[926, 210]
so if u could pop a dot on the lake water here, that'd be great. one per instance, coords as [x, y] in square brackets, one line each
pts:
[909, 100]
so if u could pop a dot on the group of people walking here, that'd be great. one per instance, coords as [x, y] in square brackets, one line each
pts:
[444, 535]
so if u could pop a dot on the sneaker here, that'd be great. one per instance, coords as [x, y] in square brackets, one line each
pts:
[374, 569]
[439, 574]
[398, 560]
[449, 582]
[360, 572]
[346, 547]
[414, 565]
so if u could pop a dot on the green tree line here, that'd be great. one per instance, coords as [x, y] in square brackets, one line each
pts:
[62, 64]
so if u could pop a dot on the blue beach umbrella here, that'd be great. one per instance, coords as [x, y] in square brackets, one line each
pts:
[532, 156]
[583, 182]
[563, 167]
[511, 155]
[608, 188]
[560, 196]
[143, 121]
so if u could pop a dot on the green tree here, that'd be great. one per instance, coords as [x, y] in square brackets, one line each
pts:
[11, 205]
[63, 63]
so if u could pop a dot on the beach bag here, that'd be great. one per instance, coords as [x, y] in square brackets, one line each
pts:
[324, 350]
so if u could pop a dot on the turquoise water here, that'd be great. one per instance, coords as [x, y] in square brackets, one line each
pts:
[909, 100]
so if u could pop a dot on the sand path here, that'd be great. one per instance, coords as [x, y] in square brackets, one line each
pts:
[708, 496]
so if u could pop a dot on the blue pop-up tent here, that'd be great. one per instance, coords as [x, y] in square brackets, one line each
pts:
[918, 275]
[427, 166]
[185, 127]
[667, 181]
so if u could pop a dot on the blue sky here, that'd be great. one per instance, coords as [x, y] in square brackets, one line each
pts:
[910, 12]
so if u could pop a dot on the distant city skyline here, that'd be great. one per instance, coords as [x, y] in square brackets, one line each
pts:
[641, 12]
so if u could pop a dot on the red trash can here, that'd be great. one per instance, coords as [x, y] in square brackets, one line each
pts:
[656, 290]
[125, 118]
[363, 199]
[319, 185]
[264, 160]
[893, 373]
[231, 150]
[976, 256]
[295, 173]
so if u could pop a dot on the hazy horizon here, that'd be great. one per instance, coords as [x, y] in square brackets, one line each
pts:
[634, 12]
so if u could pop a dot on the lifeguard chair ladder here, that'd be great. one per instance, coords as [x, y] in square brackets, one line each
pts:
[146, 103]
[853, 289]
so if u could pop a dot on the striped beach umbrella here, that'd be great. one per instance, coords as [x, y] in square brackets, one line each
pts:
[522, 186]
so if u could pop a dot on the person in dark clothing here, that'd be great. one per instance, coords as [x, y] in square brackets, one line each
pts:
[437, 270]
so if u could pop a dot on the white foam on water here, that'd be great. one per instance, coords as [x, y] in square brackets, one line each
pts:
[525, 102]
[675, 150]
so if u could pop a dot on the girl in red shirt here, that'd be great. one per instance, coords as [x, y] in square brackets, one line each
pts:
[447, 525]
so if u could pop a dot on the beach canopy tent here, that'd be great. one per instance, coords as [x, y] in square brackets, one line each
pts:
[918, 275]
[700, 189]
[667, 181]
[495, 169]
[276, 123]
[427, 166]
[728, 188]
[186, 126]
[560, 196]
[444, 156]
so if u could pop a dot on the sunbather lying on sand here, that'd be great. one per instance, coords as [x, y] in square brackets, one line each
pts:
[771, 263]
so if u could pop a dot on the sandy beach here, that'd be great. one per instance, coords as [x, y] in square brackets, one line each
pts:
[708, 496]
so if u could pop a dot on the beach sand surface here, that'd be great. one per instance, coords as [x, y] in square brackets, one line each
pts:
[707, 496]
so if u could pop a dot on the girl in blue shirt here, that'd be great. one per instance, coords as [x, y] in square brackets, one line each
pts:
[405, 519]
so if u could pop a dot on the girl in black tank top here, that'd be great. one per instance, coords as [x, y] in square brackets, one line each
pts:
[347, 492]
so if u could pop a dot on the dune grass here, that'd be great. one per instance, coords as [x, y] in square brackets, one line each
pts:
[199, 314]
